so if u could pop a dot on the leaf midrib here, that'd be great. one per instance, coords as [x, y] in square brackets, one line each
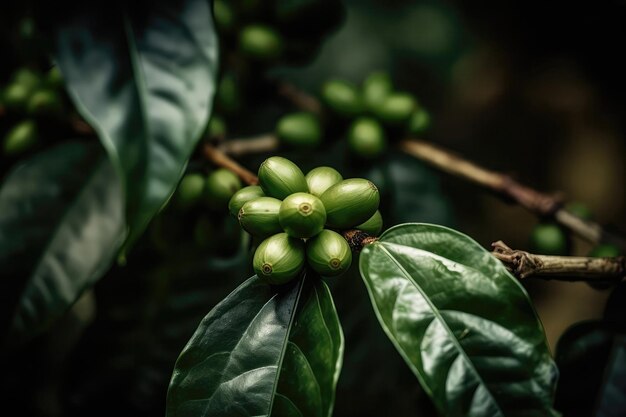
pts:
[440, 318]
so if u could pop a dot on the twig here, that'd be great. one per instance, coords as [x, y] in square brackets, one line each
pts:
[220, 159]
[299, 98]
[543, 205]
[564, 268]
[357, 239]
[256, 144]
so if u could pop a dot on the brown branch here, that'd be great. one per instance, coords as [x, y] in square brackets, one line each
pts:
[564, 268]
[357, 239]
[542, 204]
[299, 98]
[257, 144]
[220, 159]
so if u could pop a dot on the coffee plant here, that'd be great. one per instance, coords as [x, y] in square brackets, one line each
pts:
[184, 232]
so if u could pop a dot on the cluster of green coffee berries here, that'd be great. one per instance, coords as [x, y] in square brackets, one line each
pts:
[298, 218]
[29, 96]
[375, 114]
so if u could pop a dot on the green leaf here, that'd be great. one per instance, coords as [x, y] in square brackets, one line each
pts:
[61, 223]
[612, 401]
[142, 75]
[461, 322]
[262, 351]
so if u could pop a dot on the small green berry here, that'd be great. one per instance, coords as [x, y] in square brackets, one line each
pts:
[419, 122]
[190, 190]
[54, 78]
[279, 177]
[299, 130]
[224, 15]
[26, 77]
[216, 127]
[396, 109]
[15, 96]
[376, 87]
[279, 259]
[342, 98]
[579, 209]
[45, 103]
[366, 138]
[221, 184]
[350, 202]
[20, 138]
[373, 225]
[242, 196]
[260, 42]
[328, 254]
[549, 239]
[605, 250]
[302, 215]
[228, 96]
[321, 179]
[259, 216]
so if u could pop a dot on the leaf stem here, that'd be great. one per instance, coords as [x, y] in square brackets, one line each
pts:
[563, 268]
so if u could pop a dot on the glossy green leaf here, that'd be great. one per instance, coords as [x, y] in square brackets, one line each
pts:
[142, 75]
[61, 223]
[262, 351]
[612, 401]
[461, 322]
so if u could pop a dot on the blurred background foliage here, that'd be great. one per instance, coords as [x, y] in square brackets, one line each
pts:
[529, 88]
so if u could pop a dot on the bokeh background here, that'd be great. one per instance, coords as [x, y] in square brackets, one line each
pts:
[533, 89]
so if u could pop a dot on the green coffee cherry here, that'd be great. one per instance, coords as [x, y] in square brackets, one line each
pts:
[54, 78]
[299, 130]
[396, 109]
[228, 96]
[419, 121]
[321, 179]
[260, 42]
[242, 196]
[259, 216]
[366, 138]
[221, 184]
[15, 96]
[279, 177]
[302, 215]
[549, 239]
[20, 138]
[328, 254]
[350, 202]
[279, 259]
[342, 98]
[605, 250]
[190, 190]
[26, 77]
[224, 15]
[216, 127]
[376, 87]
[373, 225]
[579, 209]
[45, 103]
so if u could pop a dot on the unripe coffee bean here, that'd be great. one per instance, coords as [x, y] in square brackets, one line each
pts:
[228, 95]
[259, 216]
[216, 127]
[366, 138]
[299, 130]
[242, 196]
[605, 250]
[20, 138]
[190, 190]
[376, 87]
[419, 121]
[373, 225]
[54, 78]
[321, 179]
[342, 98]
[260, 42]
[224, 15]
[45, 103]
[328, 254]
[549, 239]
[350, 202]
[302, 215]
[221, 185]
[279, 177]
[15, 96]
[279, 259]
[396, 109]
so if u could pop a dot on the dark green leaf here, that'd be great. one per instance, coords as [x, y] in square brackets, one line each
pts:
[142, 74]
[262, 351]
[462, 323]
[61, 223]
[612, 400]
